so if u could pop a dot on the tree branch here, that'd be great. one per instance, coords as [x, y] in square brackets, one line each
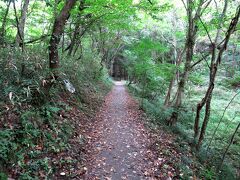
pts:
[185, 6]
[203, 58]
[209, 37]
[150, 2]
[210, 142]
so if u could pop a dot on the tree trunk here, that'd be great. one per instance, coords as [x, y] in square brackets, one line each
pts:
[200, 105]
[57, 32]
[189, 55]
[221, 119]
[205, 121]
[213, 71]
[231, 141]
[221, 20]
[77, 30]
[177, 61]
[22, 22]
[74, 38]
[168, 96]
[234, 61]
[4, 22]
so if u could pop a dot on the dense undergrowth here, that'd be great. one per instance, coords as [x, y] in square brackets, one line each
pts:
[41, 133]
[162, 47]
[224, 119]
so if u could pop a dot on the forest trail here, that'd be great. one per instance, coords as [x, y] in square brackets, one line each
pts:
[119, 141]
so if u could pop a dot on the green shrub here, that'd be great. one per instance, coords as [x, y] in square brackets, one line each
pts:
[37, 112]
[208, 174]
[3, 176]
[197, 78]
[227, 173]
[7, 146]
[234, 81]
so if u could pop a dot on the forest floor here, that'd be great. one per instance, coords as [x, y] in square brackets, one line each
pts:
[120, 146]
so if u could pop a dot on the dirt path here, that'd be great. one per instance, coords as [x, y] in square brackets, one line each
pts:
[119, 142]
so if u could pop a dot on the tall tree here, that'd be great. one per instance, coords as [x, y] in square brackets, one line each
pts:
[4, 22]
[77, 29]
[203, 102]
[215, 62]
[57, 32]
[21, 23]
[190, 41]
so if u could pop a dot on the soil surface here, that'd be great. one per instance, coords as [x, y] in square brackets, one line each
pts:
[119, 143]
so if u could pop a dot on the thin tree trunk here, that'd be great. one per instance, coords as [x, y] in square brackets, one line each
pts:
[77, 30]
[168, 96]
[189, 55]
[205, 121]
[210, 142]
[63, 42]
[191, 38]
[200, 105]
[213, 72]
[234, 60]
[177, 61]
[74, 38]
[231, 141]
[57, 32]
[22, 22]
[213, 67]
[4, 22]
[221, 20]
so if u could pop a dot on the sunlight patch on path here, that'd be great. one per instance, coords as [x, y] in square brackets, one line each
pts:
[119, 83]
